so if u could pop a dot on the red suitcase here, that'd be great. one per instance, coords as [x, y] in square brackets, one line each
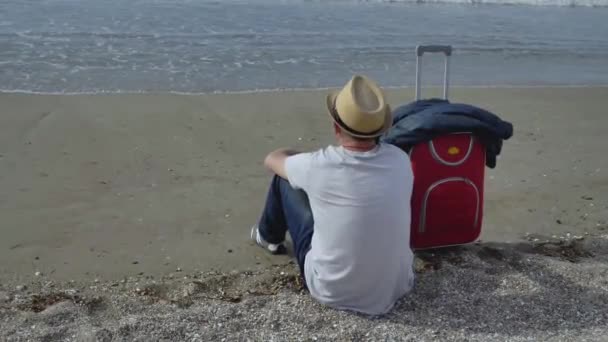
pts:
[447, 198]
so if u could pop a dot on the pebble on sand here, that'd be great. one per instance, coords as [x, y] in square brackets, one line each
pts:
[4, 297]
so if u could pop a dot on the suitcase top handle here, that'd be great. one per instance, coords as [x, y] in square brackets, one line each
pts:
[420, 51]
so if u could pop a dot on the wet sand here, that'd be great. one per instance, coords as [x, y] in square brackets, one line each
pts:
[108, 186]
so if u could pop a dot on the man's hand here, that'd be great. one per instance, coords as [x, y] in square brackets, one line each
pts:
[275, 161]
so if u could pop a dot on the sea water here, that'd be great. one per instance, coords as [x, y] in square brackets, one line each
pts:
[198, 46]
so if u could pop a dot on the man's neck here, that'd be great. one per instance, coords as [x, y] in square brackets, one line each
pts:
[359, 146]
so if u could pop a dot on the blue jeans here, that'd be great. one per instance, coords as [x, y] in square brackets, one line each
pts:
[287, 209]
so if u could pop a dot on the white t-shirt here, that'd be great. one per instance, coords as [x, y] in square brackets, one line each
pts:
[360, 257]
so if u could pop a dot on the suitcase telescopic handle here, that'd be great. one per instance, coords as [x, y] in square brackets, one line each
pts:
[420, 51]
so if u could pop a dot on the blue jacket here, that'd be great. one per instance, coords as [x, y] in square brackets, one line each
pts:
[420, 121]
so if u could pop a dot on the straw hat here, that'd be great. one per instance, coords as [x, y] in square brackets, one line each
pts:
[360, 109]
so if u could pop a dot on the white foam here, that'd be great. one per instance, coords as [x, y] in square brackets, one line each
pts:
[287, 61]
[28, 35]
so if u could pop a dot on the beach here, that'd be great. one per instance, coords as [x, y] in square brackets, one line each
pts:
[103, 195]
[133, 133]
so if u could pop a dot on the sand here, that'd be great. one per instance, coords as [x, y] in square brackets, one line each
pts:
[112, 186]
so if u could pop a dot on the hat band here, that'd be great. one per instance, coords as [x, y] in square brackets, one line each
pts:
[334, 113]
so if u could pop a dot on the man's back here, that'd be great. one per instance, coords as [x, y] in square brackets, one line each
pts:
[360, 257]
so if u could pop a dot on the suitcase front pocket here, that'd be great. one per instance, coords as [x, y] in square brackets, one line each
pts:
[450, 206]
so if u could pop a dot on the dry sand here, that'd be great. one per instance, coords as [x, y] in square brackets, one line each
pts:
[109, 187]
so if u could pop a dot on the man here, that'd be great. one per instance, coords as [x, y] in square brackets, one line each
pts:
[346, 207]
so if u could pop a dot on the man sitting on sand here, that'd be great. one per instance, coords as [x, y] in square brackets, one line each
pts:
[346, 207]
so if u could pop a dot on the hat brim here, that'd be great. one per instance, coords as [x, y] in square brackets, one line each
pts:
[388, 119]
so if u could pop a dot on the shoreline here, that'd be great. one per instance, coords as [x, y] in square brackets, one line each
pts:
[292, 90]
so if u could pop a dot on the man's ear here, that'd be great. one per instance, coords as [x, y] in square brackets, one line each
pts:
[337, 129]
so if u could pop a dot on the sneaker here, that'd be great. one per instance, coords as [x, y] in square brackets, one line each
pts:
[271, 247]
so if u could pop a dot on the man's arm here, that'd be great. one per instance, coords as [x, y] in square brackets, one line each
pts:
[275, 161]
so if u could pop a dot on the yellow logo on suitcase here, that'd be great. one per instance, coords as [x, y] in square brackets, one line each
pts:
[453, 150]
